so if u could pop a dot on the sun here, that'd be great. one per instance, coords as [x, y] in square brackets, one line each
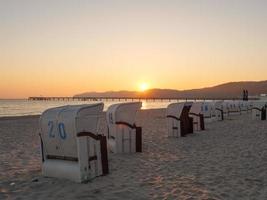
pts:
[143, 87]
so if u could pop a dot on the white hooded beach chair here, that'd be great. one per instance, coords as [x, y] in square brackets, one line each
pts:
[71, 146]
[226, 107]
[219, 110]
[247, 106]
[208, 111]
[250, 105]
[244, 107]
[259, 110]
[234, 108]
[178, 122]
[123, 134]
[198, 118]
[230, 106]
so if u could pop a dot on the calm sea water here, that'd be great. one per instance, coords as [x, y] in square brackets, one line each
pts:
[26, 107]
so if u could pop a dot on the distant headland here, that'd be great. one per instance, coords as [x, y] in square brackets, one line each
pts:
[226, 90]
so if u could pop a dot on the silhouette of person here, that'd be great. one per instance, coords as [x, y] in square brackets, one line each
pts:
[244, 95]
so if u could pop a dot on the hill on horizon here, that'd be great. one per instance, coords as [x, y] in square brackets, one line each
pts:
[226, 90]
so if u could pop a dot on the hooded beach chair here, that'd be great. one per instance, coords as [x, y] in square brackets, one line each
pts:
[226, 107]
[219, 110]
[259, 110]
[250, 105]
[123, 134]
[198, 118]
[244, 107]
[208, 111]
[178, 121]
[71, 145]
[234, 108]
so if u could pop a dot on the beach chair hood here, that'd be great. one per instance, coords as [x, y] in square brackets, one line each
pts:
[123, 112]
[175, 110]
[59, 126]
[123, 134]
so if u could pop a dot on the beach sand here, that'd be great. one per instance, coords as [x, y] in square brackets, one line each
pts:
[226, 161]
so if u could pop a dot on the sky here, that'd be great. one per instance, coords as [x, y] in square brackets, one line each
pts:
[66, 47]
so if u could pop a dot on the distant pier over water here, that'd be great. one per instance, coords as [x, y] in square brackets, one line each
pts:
[127, 99]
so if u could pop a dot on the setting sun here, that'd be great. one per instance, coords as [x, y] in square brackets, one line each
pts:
[143, 87]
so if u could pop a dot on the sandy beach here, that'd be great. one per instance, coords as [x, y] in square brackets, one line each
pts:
[226, 161]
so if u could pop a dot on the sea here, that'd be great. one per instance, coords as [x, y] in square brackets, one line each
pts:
[24, 107]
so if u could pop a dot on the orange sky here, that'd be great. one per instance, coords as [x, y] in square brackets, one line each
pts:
[61, 49]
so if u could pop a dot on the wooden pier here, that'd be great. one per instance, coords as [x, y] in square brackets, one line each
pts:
[152, 99]
[100, 99]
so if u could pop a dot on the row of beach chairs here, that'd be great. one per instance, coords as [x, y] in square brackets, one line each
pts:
[187, 117]
[72, 147]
